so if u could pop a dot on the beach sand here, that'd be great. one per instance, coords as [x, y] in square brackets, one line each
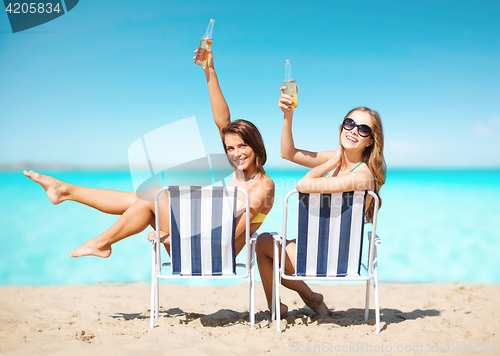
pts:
[114, 320]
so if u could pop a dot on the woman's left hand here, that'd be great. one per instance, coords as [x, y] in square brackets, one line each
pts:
[163, 236]
[336, 160]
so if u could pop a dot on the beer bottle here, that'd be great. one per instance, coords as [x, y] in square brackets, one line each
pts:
[206, 40]
[289, 82]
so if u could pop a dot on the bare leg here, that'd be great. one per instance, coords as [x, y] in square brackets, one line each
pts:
[134, 220]
[264, 251]
[106, 200]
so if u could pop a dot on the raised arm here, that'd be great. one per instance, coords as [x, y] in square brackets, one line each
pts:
[315, 182]
[288, 150]
[220, 109]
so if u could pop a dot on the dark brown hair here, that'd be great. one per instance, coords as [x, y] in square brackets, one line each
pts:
[250, 134]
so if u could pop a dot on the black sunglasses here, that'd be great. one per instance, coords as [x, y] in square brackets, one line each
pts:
[363, 130]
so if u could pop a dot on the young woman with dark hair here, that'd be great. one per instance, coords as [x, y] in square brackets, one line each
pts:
[244, 147]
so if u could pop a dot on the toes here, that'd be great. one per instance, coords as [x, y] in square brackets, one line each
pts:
[32, 175]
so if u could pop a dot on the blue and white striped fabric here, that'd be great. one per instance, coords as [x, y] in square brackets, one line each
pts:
[202, 226]
[330, 231]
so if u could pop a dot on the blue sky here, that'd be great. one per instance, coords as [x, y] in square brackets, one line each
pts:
[82, 88]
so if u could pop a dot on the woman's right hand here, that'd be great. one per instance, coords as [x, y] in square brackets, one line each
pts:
[210, 59]
[163, 236]
[285, 100]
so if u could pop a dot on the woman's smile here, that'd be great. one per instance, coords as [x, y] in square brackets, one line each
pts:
[351, 138]
[239, 152]
[240, 161]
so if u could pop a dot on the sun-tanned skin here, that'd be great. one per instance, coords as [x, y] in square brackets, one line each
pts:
[105, 200]
[264, 250]
[136, 214]
[314, 181]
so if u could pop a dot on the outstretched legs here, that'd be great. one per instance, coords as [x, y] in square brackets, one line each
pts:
[264, 250]
[136, 214]
[134, 220]
[106, 200]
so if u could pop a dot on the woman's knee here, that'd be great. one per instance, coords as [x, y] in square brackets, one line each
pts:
[144, 204]
[150, 194]
[264, 244]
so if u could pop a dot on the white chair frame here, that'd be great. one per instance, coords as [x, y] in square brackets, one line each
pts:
[157, 266]
[371, 268]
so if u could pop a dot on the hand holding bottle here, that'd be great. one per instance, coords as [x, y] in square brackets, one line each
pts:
[206, 41]
[285, 102]
[209, 64]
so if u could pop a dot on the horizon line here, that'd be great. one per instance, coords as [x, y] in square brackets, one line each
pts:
[100, 167]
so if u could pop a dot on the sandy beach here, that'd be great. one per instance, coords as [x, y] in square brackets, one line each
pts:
[114, 320]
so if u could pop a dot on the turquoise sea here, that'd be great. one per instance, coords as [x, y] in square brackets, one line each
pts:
[436, 226]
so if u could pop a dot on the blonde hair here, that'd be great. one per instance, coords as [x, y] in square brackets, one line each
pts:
[373, 156]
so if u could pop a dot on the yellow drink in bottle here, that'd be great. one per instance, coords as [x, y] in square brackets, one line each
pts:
[202, 54]
[291, 89]
[206, 40]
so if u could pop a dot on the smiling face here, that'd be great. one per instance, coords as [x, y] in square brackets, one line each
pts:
[352, 140]
[240, 154]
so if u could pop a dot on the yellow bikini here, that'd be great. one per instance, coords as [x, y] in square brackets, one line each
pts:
[258, 219]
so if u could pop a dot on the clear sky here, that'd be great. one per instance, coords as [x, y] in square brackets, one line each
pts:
[82, 88]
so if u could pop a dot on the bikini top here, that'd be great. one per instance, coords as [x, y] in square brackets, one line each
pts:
[258, 219]
[359, 164]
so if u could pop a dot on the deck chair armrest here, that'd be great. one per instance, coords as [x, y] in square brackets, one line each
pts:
[276, 237]
[253, 238]
[378, 240]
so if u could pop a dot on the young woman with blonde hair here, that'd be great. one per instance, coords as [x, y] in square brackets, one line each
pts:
[357, 164]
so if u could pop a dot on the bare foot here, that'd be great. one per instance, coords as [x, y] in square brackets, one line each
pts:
[56, 190]
[91, 248]
[317, 305]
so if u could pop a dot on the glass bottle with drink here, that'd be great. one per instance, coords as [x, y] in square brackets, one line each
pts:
[289, 83]
[206, 40]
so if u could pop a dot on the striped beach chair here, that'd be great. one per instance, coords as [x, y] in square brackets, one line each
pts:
[329, 243]
[202, 228]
